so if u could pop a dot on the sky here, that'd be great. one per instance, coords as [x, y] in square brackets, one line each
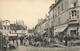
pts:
[27, 10]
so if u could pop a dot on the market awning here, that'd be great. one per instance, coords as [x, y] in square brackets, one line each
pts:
[43, 32]
[60, 29]
[12, 34]
[55, 31]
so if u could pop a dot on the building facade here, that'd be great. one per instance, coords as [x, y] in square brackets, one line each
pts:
[42, 27]
[7, 28]
[66, 17]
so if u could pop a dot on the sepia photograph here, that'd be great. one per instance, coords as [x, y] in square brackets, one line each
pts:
[39, 25]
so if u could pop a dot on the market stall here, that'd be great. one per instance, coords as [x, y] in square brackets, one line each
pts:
[13, 41]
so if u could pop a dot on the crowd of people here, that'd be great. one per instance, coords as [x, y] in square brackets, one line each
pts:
[34, 41]
[48, 41]
[40, 41]
[68, 40]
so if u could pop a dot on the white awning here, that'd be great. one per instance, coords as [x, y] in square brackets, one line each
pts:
[12, 34]
[60, 29]
[55, 31]
[43, 32]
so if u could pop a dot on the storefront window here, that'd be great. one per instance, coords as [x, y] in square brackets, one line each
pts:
[73, 32]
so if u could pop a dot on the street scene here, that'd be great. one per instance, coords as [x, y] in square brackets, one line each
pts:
[24, 28]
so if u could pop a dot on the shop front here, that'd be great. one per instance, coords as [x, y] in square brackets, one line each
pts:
[59, 33]
[72, 31]
[13, 41]
[60, 30]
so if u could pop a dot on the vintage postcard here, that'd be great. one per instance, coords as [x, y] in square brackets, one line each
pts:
[39, 25]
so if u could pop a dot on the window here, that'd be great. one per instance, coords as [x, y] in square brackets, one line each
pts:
[69, 15]
[8, 28]
[62, 6]
[59, 20]
[74, 4]
[74, 13]
[4, 27]
[59, 10]
[55, 12]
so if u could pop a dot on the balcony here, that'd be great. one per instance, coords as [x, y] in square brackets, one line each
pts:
[73, 21]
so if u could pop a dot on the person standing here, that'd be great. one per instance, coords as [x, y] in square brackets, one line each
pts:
[66, 40]
[27, 42]
[21, 40]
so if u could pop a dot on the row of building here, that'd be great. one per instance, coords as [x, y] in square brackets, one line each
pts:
[11, 32]
[63, 19]
[12, 29]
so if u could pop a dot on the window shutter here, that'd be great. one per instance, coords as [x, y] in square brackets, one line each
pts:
[77, 13]
[69, 15]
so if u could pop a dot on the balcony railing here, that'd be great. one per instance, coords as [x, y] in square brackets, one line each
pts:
[73, 21]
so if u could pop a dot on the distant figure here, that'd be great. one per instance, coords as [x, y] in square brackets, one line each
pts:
[66, 40]
[21, 40]
[13, 40]
[27, 42]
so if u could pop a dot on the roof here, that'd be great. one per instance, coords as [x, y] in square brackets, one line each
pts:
[6, 20]
[19, 27]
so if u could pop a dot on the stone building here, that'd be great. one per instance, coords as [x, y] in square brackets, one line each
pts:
[6, 27]
[65, 17]
[16, 28]
[42, 27]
